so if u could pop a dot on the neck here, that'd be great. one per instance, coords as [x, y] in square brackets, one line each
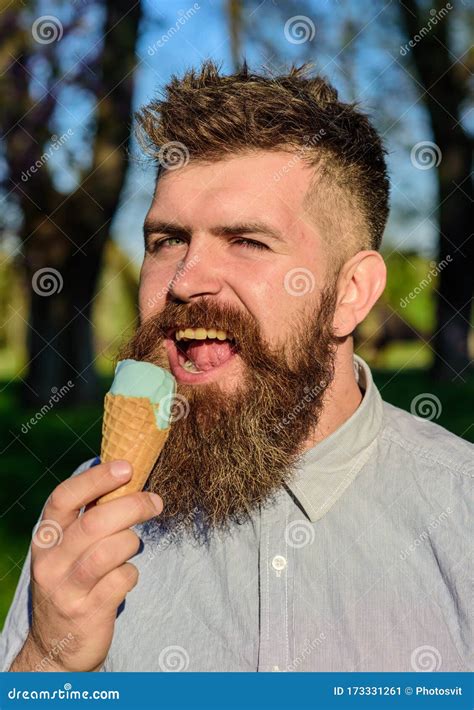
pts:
[341, 400]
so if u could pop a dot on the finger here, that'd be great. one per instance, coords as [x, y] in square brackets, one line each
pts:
[71, 495]
[112, 589]
[109, 518]
[101, 558]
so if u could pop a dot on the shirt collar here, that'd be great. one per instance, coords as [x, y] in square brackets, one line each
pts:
[326, 470]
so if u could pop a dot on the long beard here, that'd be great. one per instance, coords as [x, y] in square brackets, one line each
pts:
[229, 453]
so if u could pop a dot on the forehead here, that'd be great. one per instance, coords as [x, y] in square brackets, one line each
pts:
[259, 185]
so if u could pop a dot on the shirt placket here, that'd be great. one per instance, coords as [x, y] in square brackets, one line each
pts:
[276, 598]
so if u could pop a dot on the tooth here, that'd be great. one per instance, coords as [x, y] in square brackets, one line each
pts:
[189, 366]
[201, 334]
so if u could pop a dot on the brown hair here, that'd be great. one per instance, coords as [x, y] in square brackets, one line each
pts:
[215, 116]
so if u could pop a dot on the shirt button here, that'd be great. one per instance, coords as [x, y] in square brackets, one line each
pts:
[279, 562]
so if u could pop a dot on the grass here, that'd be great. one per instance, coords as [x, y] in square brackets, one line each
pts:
[33, 463]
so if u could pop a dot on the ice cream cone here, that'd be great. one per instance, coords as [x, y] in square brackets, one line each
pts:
[130, 432]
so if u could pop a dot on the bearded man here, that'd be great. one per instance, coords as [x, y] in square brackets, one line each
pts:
[294, 521]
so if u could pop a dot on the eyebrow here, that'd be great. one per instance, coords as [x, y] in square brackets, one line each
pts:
[152, 226]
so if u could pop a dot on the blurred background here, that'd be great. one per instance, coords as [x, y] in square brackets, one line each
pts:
[74, 190]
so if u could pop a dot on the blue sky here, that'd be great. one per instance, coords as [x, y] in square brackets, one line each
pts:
[369, 68]
[205, 35]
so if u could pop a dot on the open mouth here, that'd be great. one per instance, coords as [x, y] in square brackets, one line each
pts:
[195, 353]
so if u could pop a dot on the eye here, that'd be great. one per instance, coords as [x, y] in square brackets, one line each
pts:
[250, 244]
[167, 242]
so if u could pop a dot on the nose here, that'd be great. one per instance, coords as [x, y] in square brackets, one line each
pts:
[195, 276]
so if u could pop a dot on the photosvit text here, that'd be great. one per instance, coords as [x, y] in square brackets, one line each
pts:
[394, 690]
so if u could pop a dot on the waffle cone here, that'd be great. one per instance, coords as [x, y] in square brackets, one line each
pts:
[129, 432]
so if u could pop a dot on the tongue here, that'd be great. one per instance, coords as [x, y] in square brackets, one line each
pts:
[207, 354]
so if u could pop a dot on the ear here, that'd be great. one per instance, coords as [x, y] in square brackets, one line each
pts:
[359, 285]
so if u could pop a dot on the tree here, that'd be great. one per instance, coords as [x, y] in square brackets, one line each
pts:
[443, 81]
[63, 233]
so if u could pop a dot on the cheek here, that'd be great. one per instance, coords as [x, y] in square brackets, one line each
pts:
[152, 289]
[273, 299]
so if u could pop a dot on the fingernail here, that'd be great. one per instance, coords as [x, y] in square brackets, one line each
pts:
[140, 549]
[156, 502]
[120, 469]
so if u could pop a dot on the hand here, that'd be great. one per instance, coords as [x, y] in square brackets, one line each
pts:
[79, 569]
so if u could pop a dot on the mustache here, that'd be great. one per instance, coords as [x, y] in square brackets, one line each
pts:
[206, 313]
[313, 328]
[244, 329]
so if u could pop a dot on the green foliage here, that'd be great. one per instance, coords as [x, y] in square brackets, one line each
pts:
[405, 273]
[35, 458]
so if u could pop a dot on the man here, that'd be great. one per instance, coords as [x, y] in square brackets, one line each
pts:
[296, 522]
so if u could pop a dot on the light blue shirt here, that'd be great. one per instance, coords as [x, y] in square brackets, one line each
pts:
[361, 564]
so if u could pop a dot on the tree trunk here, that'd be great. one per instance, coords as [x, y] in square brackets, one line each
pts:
[456, 246]
[444, 83]
[61, 347]
[65, 236]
